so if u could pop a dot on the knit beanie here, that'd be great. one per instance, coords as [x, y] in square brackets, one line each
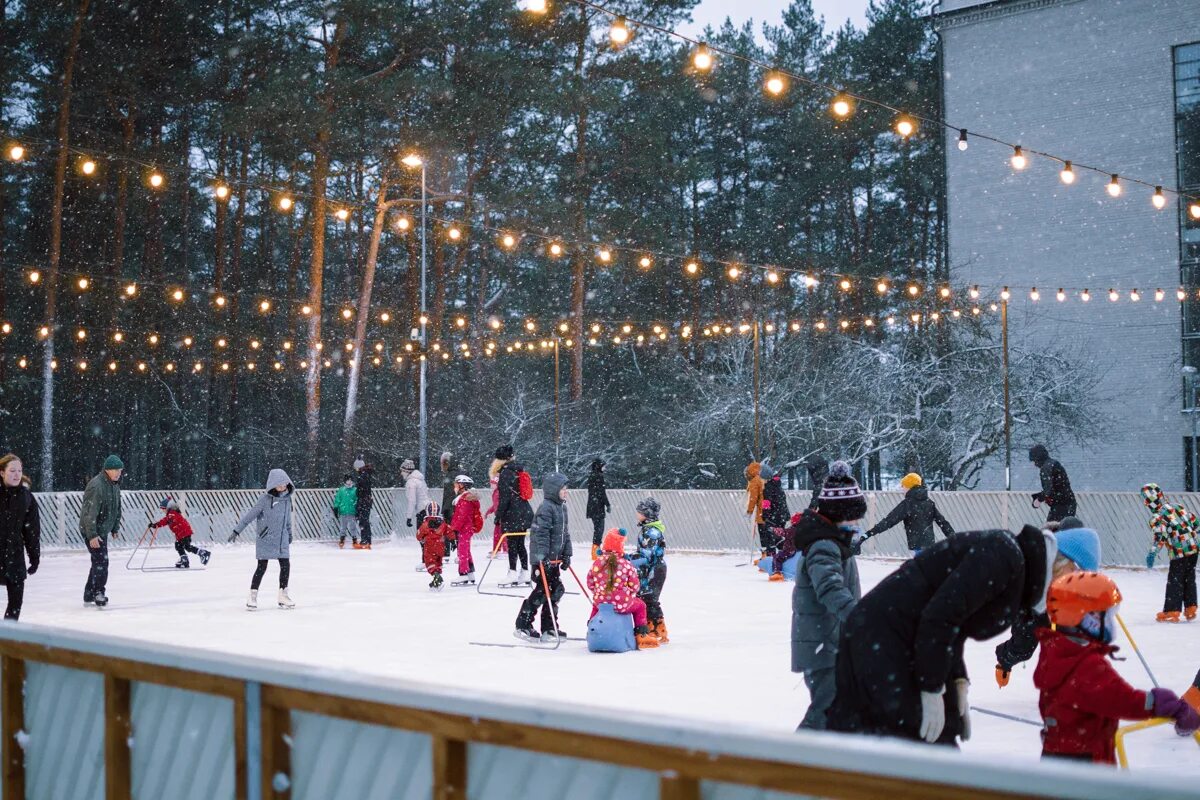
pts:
[910, 480]
[114, 462]
[408, 465]
[614, 541]
[1071, 522]
[841, 499]
[359, 463]
[648, 508]
[1081, 545]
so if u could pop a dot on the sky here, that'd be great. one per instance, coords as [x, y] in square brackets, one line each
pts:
[713, 12]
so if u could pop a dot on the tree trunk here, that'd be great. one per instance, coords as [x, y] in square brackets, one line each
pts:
[56, 211]
[580, 197]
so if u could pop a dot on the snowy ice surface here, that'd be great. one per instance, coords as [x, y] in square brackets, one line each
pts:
[361, 614]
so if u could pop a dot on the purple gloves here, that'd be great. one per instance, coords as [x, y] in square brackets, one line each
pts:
[1167, 704]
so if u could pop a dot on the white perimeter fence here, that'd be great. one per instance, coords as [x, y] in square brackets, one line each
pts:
[696, 520]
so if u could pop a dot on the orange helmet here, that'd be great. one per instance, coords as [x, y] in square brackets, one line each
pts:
[1076, 594]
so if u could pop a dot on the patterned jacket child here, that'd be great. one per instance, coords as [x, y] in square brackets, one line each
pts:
[176, 522]
[650, 556]
[625, 585]
[1174, 527]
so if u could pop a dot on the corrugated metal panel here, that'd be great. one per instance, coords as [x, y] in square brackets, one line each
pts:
[502, 773]
[182, 744]
[710, 790]
[338, 758]
[64, 717]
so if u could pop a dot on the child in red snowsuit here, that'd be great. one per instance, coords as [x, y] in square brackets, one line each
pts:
[432, 535]
[178, 525]
[614, 580]
[1082, 696]
[466, 522]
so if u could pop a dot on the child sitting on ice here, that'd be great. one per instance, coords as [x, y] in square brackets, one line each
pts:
[1174, 528]
[466, 522]
[432, 535]
[614, 580]
[787, 549]
[651, 565]
[1082, 696]
[182, 529]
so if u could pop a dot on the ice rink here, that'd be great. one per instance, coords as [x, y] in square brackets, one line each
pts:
[370, 615]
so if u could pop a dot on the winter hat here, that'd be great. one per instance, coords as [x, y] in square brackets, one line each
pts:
[1037, 552]
[1038, 454]
[1070, 523]
[505, 452]
[1081, 545]
[408, 465]
[841, 499]
[649, 509]
[597, 465]
[359, 463]
[614, 541]
[113, 462]
[910, 480]
[433, 511]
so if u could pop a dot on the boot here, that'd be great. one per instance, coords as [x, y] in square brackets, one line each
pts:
[284, 600]
[366, 546]
[595, 551]
[341, 542]
[204, 557]
[659, 629]
[182, 563]
[252, 603]
[357, 546]
[645, 639]
[1168, 616]
[436, 583]
[776, 577]
[101, 600]
[527, 633]
[1190, 613]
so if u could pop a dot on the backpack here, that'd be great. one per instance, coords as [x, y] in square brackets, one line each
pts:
[525, 485]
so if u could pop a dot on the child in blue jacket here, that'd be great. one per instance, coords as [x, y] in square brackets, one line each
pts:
[651, 566]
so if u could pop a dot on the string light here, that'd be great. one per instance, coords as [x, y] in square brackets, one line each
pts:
[221, 191]
[342, 214]
[1060, 296]
[776, 84]
[1113, 296]
[1135, 296]
[508, 241]
[187, 341]
[1158, 198]
[255, 344]
[1018, 158]
[906, 126]
[772, 277]
[842, 105]
[1114, 186]
[619, 32]
[219, 300]
[454, 233]
[385, 317]
[556, 249]
[1194, 210]
[177, 295]
[285, 203]
[83, 284]
[221, 342]
[944, 292]
[35, 276]
[88, 167]
[1005, 294]
[605, 255]
[692, 268]
[461, 322]
[881, 287]
[117, 337]
[153, 338]
[81, 334]
[536, 6]
[962, 139]
[264, 306]
[82, 366]
[130, 289]
[156, 180]
[1085, 296]
[644, 262]
[495, 324]
[1034, 294]
[702, 59]
[844, 285]
[1180, 294]
[6, 327]
[347, 313]
[16, 152]
[1067, 173]
[974, 293]
[403, 223]
[734, 273]
[913, 290]
[423, 319]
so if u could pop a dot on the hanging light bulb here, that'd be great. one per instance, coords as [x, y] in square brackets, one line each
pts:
[1180, 294]
[1067, 173]
[454, 233]
[264, 306]
[974, 292]
[508, 241]
[1158, 198]
[342, 214]
[35, 276]
[842, 105]
[619, 32]
[702, 59]
[385, 317]
[944, 292]
[605, 255]
[1113, 296]
[187, 341]
[906, 126]
[644, 262]
[222, 342]
[117, 337]
[81, 334]
[221, 191]
[962, 139]
[347, 313]
[692, 268]
[84, 283]
[1060, 295]
[556, 249]
[16, 152]
[913, 290]
[403, 224]
[1194, 210]
[881, 287]
[285, 203]
[460, 322]
[1005, 294]
[1018, 158]
[844, 285]
[1134, 296]
[154, 338]
[1114, 186]
[130, 289]
[772, 277]
[220, 301]
[1159, 294]
[1085, 295]
[1034, 294]
[88, 167]
[734, 272]
[536, 6]
[775, 83]
[177, 295]
[156, 180]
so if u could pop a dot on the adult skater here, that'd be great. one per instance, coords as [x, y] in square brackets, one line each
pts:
[449, 465]
[100, 516]
[550, 551]
[597, 504]
[917, 512]
[900, 669]
[415, 491]
[775, 508]
[754, 503]
[273, 515]
[818, 471]
[514, 512]
[363, 502]
[20, 533]
[1056, 491]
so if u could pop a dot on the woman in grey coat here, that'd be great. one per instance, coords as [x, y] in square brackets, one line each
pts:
[827, 586]
[273, 513]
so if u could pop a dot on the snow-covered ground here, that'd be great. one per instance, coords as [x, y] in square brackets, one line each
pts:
[364, 614]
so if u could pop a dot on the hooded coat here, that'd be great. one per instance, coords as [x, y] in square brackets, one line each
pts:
[1056, 486]
[907, 634]
[918, 513]
[754, 491]
[549, 539]
[273, 515]
[417, 493]
[597, 493]
[363, 499]
[775, 511]
[20, 532]
[1173, 527]
[818, 471]
[449, 466]
[826, 590]
[514, 513]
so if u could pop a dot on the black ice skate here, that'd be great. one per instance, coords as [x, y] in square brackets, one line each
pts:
[527, 634]
[101, 600]
[182, 563]
[204, 557]
[555, 634]
[436, 583]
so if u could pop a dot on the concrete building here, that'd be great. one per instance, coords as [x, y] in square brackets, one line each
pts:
[1113, 84]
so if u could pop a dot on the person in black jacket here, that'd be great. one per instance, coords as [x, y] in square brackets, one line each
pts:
[20, 533]
[900, 669]
[550, 545]
[818, 471]
[597, 504]
[917, 512]
[513, 512]
[775, 512]
[1056, 486]
[363, 502]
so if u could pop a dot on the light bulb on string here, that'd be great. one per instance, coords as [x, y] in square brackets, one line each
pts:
[385, 317]
[644, 262]
[34, 276]
[962, 139]
[536, 6]
[347, 313]
[775, 83]
[1018, 158]
[913, 290]
[153, 339]
[187, 341]
[285, 203]
[1135, 296]
[604, 254]
[220, 301]
[141, 366]
[43, 331]
[556, 249]
[702, 59]
[83, 284]
[1114, 186]
[842, 105]
[222, 342]
[1113, 296]
[342, 214]
[974, 292]
[117, 337]
[1067, 173]
[15, 152]
[844, 285]
[772, 277]
[1005, 294]
[692, 268]
[944, 292]
[177, 295]
[156, 180]
[264, 306]
[1158, 198]
[795, 326]
[130, 289]
[460, 322]
[508, 241]
[1180, 294]
[1159, 294]
[221, 191]
[1060, 295]
[1085, 296]
[1194, 210]
[87, 167]
[6, 328]
[454, 233]
[619, 32]
[734, 273]
[403, 224]
[81, 334]
[1034, 294]
[906, 126]
[881, 287]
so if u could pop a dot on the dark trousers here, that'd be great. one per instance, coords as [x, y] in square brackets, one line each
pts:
[184, 546]
[517, 551]
[98, 574]
[16, 594]
[285, 570]
[537, 598]
[1181, 583]
[769, 540]
[598, 530]
[364, 525]
[651, 596]
[1060, 511]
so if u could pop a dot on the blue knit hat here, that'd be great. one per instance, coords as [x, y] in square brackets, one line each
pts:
[1082, 546]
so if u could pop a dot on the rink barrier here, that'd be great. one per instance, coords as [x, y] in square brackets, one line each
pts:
[708, 520]
[89, 716]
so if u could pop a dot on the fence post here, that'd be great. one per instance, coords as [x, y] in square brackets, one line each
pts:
[672, 786]
[276, 725]
[117, 731]
[449, 769]
[12, 721]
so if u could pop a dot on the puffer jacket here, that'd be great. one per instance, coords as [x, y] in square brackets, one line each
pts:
[754, 491]
[1173, 527]
[467, 518]
[514, 513]
[826, 590]
[918, 513]
[20, 532]
[549, 539]
[775, 504]
[273, 515]
[651, 551]
[100, 513]
[345, 501]
[176, 522]
[624, 588]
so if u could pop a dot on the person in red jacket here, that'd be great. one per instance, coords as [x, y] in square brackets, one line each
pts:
[1082, 697]
[182, 529]
[612, 579]
[432, 535]
[466, 522]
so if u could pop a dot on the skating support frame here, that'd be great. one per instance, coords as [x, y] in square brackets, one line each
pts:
[153, 534]
[503, 538]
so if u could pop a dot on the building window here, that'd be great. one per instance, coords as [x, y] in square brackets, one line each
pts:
[1187, 158]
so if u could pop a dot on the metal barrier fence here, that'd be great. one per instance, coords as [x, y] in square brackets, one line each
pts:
[696, 520]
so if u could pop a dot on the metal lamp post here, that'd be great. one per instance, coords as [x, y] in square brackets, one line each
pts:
[413, 161]
[1189, 378]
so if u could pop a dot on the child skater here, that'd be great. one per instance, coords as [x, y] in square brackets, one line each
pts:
[614, 580]
[651, 565]
[182, 529]
[1174, 528]
[550, 551]
[273, 515]
[345, 504]
[1082, 696]
[432, 535]
[466, 521]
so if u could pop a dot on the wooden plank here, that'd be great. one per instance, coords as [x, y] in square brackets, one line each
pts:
[118, 781]
[241, 779]
[276, 753]
[12, 720]
[672, 786]
[121, 668]
[449, 769]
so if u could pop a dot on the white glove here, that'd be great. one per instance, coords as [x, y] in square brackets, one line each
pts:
[933, 714]
[964, 707]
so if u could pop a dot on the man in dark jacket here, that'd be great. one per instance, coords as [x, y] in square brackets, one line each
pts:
[363, 502]
[917, 512]
[1056, 486]
[775, 512]
[100, 516]
[20, 533]
[818, 471]
[597, 503]
[900, 669]
[550, 552]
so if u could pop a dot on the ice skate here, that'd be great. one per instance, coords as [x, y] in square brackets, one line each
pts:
[523, 577]
[645, 639]
[465, 580]
[659, 629]
[252, 601]
[554, 634]
[512, 577]
[357, 546]
[1167, 616]
[528, 634]
[182, 563]
[284, 600]
[436, 583]
[101, 600]
[341, 542]
[776, 577]
[204, 557]
[1190, 613]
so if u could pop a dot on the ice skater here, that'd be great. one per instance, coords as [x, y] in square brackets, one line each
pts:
[597, 504]
[917, 512]
[345, 504]
[100, 517]
[650, 562]
[499, 543]
[550, 551]
[432, 535]
[415, 491]
[1056, 490]
[363, 502]
[466, 521]
[612, 579]
[272, 514]
[514, 513]
[1174, 528]
[20, 533]
[175, 522]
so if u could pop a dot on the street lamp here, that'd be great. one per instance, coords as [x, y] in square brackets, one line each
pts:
[1189, 378]
[414, 161]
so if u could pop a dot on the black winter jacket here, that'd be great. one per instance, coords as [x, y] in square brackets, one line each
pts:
[597, 495]
[1056, 486]
[549, 537]
[514, 514]
[20, 533]
[777, 516]
[362, 499]
[918, 513]
[1019, 647]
